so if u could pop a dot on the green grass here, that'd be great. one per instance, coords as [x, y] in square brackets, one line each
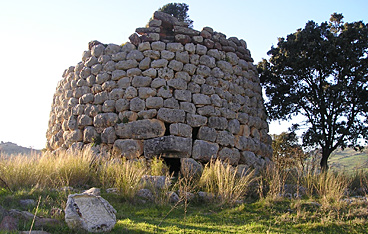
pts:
[349, 160]
[37, 178]
[263, 216]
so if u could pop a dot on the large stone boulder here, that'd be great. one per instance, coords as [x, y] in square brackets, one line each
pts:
[89, 212]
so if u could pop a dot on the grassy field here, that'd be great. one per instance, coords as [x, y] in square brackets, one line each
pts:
[349, 159]
[262, 216]
[253, 204]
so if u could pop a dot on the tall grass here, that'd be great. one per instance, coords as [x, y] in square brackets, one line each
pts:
[329, 187]
[125, 175]
[47, 171]
[221, 179]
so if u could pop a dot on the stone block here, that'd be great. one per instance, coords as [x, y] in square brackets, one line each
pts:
[188, 107]
[229, 155]
[218, 122]
[190, 168]
[141, 129]
[177, 83]
[196, 120]
[183, 95]
[105, 120]
[141, 81]
[201, 99]
[137, 104]
[171, 103]
[89, 212]
[207, 134]
[131, 149]
[171, 115]
[204, 151]
[168, 146]
[180, 129]
[108, 135]
[154, 102]
[225, 138]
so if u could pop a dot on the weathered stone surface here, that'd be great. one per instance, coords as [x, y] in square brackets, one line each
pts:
[147, 114]
[126, 64]
[204, 151]
[229, 155]
[171, 103]
[134, 39]
[171, 115]
[142, 31]
[177, 83]
[155, 102]
[166, 19]
[168, 146]
[186, 31]
[183, 95]
[218, 123]
[196, 120]
[9, 223]
[190, 168]
[141, 81]
[108, 135]
[174, 47]
[128, 148]
[135, 55]
[183, 39]
[176, 65]
[146, 92]
[141, 129]
[207, 134]
[145, 194]
[225, 138]
[159, 63]
[155, 23]
[208, 61]
[105, 120]
[137, 104]
[188, 107]
[89, 212]
[158, 45]
[180, 129]
[234, 126]
[158, 182]
[201, 99]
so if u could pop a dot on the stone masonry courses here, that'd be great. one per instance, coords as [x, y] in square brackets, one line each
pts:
[171, 91]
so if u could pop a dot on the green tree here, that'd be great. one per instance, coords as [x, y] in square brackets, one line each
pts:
[321, 72]
[179, 11]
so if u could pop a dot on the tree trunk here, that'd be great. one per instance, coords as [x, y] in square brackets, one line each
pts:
[325, 155]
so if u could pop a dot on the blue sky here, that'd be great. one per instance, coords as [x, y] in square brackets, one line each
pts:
[41, 38]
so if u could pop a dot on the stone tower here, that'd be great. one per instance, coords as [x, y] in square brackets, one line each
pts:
[171, 91]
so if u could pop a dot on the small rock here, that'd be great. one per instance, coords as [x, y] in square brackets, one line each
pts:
[158, 182]
[134, 39]
[145, 194]
[9, 223]
[112, 190]
[27, 202]
[93, 191]
[173, 197]
[89, 212]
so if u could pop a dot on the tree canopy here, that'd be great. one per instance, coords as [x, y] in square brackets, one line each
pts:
[321, 72]
[179, 11]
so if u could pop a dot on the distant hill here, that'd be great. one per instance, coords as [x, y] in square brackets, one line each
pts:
[8, 148]
[349, 159]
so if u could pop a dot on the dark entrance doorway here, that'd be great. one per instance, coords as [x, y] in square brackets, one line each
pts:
[173, 164]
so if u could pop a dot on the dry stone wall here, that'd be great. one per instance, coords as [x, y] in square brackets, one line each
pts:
[171, 91]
